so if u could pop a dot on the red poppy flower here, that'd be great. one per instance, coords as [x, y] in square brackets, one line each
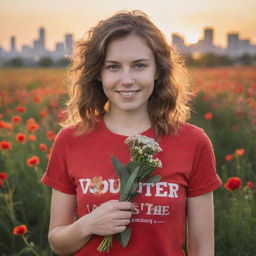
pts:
[36, 99]
[249, 184]
[61, 115]
[208, 116]
[5, 145]
[233, 183]
[20, 109]
[21, 137]
[8, 126]
[239, 152]
[33, 161]
[2, 124]
[20, 230]
[228, 157]
[43, 147]
[1, 183]
[16, 119]
[50, 135]
[32, 137]
[43, 114]
[32, 127]
[54, 104]
[3, 175]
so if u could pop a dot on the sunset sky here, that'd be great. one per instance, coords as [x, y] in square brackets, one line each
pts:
[186, 17]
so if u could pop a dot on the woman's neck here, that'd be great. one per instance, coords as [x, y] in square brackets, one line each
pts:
[128, 123]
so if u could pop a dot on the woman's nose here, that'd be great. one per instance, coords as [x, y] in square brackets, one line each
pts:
[127, 77]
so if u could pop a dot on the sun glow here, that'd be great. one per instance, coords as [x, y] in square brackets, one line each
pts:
[191, 38]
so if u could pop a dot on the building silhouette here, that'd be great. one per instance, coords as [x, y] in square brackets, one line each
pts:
[235, 46]
[38, 49]
[208, 36]
[13, 44]
[41, 39]
[68, 44]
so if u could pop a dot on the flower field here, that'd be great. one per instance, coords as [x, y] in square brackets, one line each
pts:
[31, 102]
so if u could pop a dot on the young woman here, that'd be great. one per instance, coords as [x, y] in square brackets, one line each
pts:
[125, 80]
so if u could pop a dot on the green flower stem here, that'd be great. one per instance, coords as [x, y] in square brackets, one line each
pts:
[105, 244]
[9, 201]
[45, 191]
[29, 245]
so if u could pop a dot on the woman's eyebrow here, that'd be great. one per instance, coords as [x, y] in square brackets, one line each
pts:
[138, 60]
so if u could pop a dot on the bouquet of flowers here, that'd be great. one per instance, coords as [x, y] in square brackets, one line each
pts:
[139, 168]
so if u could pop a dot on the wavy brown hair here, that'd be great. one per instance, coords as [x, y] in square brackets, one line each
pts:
[168, 106]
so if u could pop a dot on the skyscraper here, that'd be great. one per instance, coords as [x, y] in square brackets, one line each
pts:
[59, 50]
[233, 44]
[68, 44]
[178, 42]
[41, 39]
[233, 41]
[177, 39]
[13, 44]
[208, 36]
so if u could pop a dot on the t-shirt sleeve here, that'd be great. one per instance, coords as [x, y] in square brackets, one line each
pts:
[57, 175]
[204, 177]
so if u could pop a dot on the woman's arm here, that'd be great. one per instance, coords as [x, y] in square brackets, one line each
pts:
[200, 225]
[68, 235]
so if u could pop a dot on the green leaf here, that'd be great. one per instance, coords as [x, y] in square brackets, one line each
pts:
[116, 163]
[146, 171]
[128, 185]
[133, 165]
[134, 187]
[121, 171]
[153, 179]
[124, 237]
[24, 251]
[133, 195]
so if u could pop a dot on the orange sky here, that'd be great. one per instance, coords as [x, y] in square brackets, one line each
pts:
[187, 17]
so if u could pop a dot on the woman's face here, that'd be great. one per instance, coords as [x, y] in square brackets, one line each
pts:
[128, 74]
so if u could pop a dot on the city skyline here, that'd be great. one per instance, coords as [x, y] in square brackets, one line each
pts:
[236, 46]
[169, 39]
[77, 16]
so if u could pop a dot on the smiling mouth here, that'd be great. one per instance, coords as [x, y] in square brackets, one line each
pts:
[128, 93]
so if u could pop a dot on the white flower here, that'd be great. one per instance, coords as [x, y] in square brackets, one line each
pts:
[143, 148]
[144, 142]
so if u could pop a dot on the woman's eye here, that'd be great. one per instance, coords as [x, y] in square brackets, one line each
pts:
[140, 66]
[112, 67]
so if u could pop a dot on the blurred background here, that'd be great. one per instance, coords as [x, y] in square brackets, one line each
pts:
[217, 40]
[207, 33]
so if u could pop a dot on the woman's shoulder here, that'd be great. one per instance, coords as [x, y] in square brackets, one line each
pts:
[192, 132]
[190, 128]
[75, 132]
[67, 133]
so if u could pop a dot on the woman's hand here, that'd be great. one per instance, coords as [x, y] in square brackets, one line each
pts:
[110, 218]
[68, 235]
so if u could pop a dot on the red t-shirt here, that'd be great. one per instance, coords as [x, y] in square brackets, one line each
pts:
[82, 166]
